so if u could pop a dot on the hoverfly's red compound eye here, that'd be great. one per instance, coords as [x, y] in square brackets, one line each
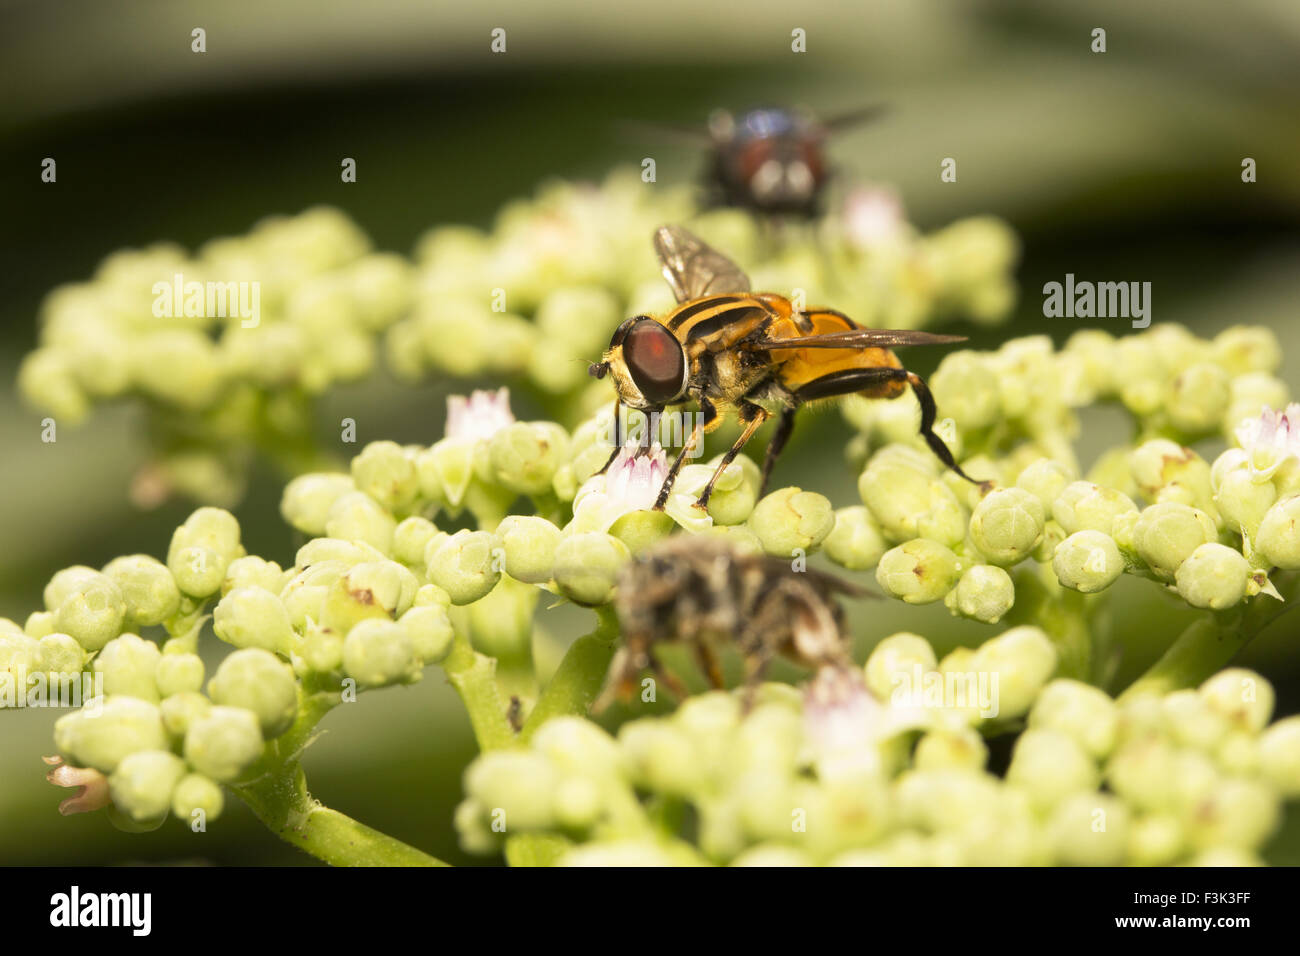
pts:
[656, 361]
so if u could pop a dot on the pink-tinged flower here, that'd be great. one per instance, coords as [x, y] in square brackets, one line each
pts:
[873, 216]
[632, 483]
[1271, 439]
[844, 723]
[91, 786]
[480, 416]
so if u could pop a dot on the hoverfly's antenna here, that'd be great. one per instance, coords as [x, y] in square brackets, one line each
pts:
[597, 369]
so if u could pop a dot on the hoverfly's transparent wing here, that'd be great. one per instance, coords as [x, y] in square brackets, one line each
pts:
[865, 114]
[859, 339]
[694, 269]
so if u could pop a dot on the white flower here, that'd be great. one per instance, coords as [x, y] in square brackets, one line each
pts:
[873, 216]
[632, 483]
[1271, 439]
[844, 723]
[480, 416]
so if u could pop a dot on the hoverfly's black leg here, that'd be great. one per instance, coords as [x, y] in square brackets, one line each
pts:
[677, 688]
[707, 415]
[618, 436]
[753, 417]
[710, 664]
[784, 426]
[928, 414]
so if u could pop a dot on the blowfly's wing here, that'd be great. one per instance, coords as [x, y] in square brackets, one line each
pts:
[694, 269]
[864, 114]
[859, 339]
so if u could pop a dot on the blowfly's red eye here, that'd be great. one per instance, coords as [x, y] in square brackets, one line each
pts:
[655, 360]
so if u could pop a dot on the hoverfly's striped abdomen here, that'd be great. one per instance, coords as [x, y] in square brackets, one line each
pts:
[718, 322]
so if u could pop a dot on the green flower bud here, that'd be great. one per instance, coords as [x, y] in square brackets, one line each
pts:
[1237, 754]
[894, 660]
[1241, 696]
[46, 381]
[320, 650]
[1213, 576]
[198, 571]
[1157, 466]
[791, 520]
[445, 470]
[385, 473]
[471, 820]
[574, 745]
[918, 571]
[128, 664]
[1090, 829]
[411, 537]
[379, 652]
[1247, 348]
[956, 748]
[856, 541]
[370, 589]
[1023, 659]
[429, 630]
[66, 583]
[1197, 396]
[1155, 839]
[984, 592]
[525, 455]
[1190, 721]
[1084, 506]
[178, 673]
[39, 624]
[223, 743]
[1166, 534]
[195, 792]
[587, 566]
[641, 529]
[530, 544]
[59, 654]
[1045, 479]
[966, 386]
[1279, 756]
[1243, 500]
[578, 803]
[467, 565]
[100, 740]
[307, 500]
[519, 783]
[909, 502]
[1049, 766]
[1080, 711]
[251, 617]
[1007, 525]
[945, 800]
[143, 783]
[92, 614]
[1088, 561]
[1143, 772]
[147, 587]
[251, 571]
[429, 595]
[258, 681]
[180, 710]
[320, 551]
[1237, 813]
[356, 516]
[662, 757]
[1278, 540]
[212, 528]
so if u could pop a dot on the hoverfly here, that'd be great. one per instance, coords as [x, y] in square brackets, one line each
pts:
[704, 594]
[724, 346]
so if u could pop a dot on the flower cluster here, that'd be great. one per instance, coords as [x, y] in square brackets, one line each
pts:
[898, 773]
[1212, 531]
[228, 346]
[224, 346]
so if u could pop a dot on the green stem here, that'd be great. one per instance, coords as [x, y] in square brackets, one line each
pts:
[579, 677]
[1063, 614]
[1207, 645]
[279, 798]
[474, 677]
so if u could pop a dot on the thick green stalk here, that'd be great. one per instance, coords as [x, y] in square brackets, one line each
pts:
[579, 677]
[474, 677]
[279, 798]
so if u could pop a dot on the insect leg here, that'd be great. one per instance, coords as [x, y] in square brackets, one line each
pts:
[753, 416]
[710, 664]
[928, 414]
[618, 436]
[709, 413]
[784, 426]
